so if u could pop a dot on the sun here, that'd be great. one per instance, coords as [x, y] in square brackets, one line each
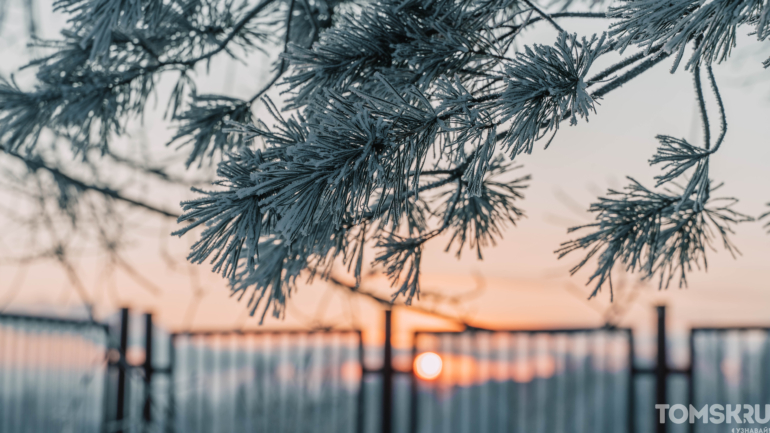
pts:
[428, 365]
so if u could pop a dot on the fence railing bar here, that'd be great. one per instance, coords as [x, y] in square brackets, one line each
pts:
[528, 331]
[726, 329]
[51, 320]
[258, 332]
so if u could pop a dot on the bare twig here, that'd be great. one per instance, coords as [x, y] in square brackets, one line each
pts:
[544, 15]
[38, 165]
[388, 304]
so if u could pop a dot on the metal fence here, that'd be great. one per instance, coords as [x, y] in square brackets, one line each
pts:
[729, 366]
[268, 381]
[75, 376]
[576, 380]
[52, 375]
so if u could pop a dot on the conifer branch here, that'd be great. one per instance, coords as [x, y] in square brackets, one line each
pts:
[702, 108]
[720, 104]
[628, 76]
[38, 164]
[544, 15]
[250, 15]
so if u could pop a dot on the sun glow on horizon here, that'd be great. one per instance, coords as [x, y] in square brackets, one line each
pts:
[428, 365]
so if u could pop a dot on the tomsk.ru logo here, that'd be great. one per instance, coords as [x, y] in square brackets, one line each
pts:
[717, 414]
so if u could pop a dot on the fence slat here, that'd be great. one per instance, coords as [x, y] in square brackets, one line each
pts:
[283, 382]
[52, 373]
[546, 381]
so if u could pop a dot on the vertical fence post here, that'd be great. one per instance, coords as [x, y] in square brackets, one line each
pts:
[360, 401]
[387, 376]
[171, 417]
[413, 409]
[122, 364]
[661, 368]
[691, 376]
[147, 409]
[631, 384]
[107, 402]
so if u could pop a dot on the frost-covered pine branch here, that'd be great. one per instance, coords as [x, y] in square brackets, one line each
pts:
[400, 121]
[663, 233]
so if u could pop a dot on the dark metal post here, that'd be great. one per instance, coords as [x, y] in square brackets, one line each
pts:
[661, 369]
[691, 376]
[387, 376]
[147, 409]
[107, 402]
[415, 399]
[631, 384]
[171, 420]
[360, 402]
[122, 385]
